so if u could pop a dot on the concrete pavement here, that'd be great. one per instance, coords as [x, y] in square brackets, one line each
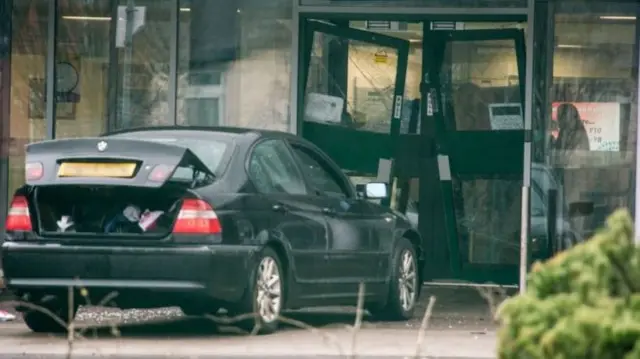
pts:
[174, 341]
[461, 327]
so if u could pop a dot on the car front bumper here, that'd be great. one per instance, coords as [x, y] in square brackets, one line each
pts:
[215, 271]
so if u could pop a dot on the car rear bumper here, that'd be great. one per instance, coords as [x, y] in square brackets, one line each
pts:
[217, 271]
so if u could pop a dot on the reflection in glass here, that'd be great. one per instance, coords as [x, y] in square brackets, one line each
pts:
[233, 63]
[485, 90]
[586, 123]
[143, 42]
[360, 99]
[488, 220]
[82, 68]
[27, 104]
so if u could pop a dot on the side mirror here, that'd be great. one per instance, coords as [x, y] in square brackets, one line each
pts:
[374, 190]
[581, 209]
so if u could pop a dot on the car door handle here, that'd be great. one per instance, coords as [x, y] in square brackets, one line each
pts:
[278, 207]
[328, 211]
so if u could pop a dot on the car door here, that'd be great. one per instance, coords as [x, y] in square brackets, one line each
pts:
[295, 218]
[353, 248]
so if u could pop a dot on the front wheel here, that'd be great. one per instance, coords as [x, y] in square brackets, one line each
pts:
[403, 285]
[265, 295]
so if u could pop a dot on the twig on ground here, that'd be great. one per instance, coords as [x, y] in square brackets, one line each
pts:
[71, 316]
[328, 338]
[424, 325]
[494, 297]
[358, 323]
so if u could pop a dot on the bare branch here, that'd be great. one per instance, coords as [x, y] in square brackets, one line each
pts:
[424, 325]
[71, 316]
[493, 296]
[358, 323]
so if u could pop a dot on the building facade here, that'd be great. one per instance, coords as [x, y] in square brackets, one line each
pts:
[498, 122]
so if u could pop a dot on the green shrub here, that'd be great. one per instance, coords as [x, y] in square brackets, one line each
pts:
[583, 303]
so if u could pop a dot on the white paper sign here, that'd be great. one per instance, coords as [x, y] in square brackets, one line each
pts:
[323, 108]
[506, 116]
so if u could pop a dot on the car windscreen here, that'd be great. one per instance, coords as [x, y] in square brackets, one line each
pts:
[210, 151]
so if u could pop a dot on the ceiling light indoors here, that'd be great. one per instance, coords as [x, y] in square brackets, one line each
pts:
[569, 46]
[617, 17]
[87, 18]
[185, 9]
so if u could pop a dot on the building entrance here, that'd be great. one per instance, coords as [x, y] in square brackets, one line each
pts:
[435, 109]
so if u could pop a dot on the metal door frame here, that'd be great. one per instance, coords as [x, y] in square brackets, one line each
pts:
[432, 95]
[310, 26]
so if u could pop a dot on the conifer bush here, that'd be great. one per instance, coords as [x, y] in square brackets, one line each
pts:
[584, 303]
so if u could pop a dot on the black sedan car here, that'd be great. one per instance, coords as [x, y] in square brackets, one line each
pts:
[204, 219]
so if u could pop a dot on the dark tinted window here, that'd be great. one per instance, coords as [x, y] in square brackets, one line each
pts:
[273, 169]
[319, 173]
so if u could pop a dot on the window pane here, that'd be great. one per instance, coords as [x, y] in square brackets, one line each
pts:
[82, 67]
[319, 177]
[585, 121]
[359, 91]
[202, 111]
[28, 59]
[143, 62]
[274, 170]
[239, 54]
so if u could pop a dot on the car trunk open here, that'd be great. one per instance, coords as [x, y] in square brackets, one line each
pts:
[110, 187]
[113, 211]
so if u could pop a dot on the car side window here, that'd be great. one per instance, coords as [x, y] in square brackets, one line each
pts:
[273, 169]
[320, 176]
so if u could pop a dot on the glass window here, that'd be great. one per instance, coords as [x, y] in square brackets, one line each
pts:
[82, 63]
[538, 208]
[585, 116]
[273, 169]
[26, 104]
[143, 44]
[322, 179]
[236, 56]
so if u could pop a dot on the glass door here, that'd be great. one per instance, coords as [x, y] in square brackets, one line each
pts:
[351, 95]
[475, 92]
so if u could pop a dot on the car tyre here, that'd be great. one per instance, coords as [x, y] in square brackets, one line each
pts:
[264, 298]
[40, 322]
[403, 285]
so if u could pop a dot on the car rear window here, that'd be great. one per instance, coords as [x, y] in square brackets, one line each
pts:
[211, 152]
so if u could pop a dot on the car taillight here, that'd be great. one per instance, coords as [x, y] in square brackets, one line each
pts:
[160, 173]
[18, 218]
[197, 217]
[33, 171]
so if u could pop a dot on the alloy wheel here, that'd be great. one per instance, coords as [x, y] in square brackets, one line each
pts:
[407, 280]
[269, 286]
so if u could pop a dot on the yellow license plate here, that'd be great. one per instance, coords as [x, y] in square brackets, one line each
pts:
[83, 169]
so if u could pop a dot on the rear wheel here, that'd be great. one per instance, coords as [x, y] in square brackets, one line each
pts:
[403, 285]
[40, 322]
[264, 297]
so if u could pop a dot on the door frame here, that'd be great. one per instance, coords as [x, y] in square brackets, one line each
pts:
[442, 129]
[308, 27]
